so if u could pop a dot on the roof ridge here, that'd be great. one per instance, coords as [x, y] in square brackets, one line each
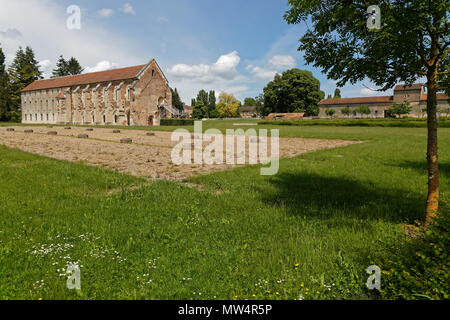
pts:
[110, 75]
[95, 72]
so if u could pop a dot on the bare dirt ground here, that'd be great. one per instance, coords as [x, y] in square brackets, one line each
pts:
[146, 156]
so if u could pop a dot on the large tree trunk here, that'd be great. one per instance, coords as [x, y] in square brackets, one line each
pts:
[432, 149]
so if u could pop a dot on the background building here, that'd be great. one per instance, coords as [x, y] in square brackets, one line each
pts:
[138, 95]
[414, 94]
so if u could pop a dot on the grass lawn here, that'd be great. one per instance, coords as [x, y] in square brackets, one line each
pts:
[309, 231]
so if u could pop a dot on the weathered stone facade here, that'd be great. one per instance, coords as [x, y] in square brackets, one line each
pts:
[129, 96]
[414, 94]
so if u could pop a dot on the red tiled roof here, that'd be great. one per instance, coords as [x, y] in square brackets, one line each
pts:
[382, 99]
[439, 96]
[189, 108]
[86, 78]
[415, 86]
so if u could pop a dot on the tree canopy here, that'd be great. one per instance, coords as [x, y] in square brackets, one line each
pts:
[23, 71]
[228, 105]
[337, 94]
[176, 100]
[3, 89]
[208, 104]
[412, 41]
[67, 67]
[400, 108]
[294, 91]
[249, 102]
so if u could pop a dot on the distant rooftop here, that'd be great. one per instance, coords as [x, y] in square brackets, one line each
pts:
[415, 86]
[86, 78]
[386, 99]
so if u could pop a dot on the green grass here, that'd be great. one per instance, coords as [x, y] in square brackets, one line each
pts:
[240, 237]
[404, 123]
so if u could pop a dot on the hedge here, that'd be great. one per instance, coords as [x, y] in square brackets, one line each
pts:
[409, 123]
[177, 122]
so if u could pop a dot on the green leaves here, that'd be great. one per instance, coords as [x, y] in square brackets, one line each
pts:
[339, 42]
[23, 71]
[67, 67]
[295, 91]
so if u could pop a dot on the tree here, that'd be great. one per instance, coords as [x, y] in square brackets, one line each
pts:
[400, 108]
[212, 109]
[199, 111]
[346, 111]
[67, 67]
[337, 94]
[259, 103]
[364, 110]
[413, 42]
[3, 89]
[295, 90]
[203, 97]
[23, 71]
[329, 96]
[61, 68]
[446, 111]
[249, 102]
[176, 100]
[74, 67]
[228, 106]
[330, 112]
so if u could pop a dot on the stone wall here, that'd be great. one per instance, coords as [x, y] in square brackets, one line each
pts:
[123, 102]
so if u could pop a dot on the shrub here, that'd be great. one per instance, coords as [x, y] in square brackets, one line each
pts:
[400, 109]
[177, 122]
[419, 269]
[405, 123]
[330, 112]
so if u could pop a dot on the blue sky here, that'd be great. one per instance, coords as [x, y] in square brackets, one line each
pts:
[235, 46]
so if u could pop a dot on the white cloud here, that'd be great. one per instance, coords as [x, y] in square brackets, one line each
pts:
[101, 66]
[127, 8]
[282, 62]
[11, 34]
[105, 12]
[163, 19]
[275, 65]
[224, 67]
[42, 26]
[220, 76]
[46, 67]
[190, 72]
[262, 73]
[368, 92]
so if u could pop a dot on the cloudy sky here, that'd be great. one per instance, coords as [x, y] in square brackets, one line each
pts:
[235, 46]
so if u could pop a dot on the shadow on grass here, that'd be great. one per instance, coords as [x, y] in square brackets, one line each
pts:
[421, 167]
[320, 197]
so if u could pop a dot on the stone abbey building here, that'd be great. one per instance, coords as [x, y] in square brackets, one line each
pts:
[131, 96]
[414, 93]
